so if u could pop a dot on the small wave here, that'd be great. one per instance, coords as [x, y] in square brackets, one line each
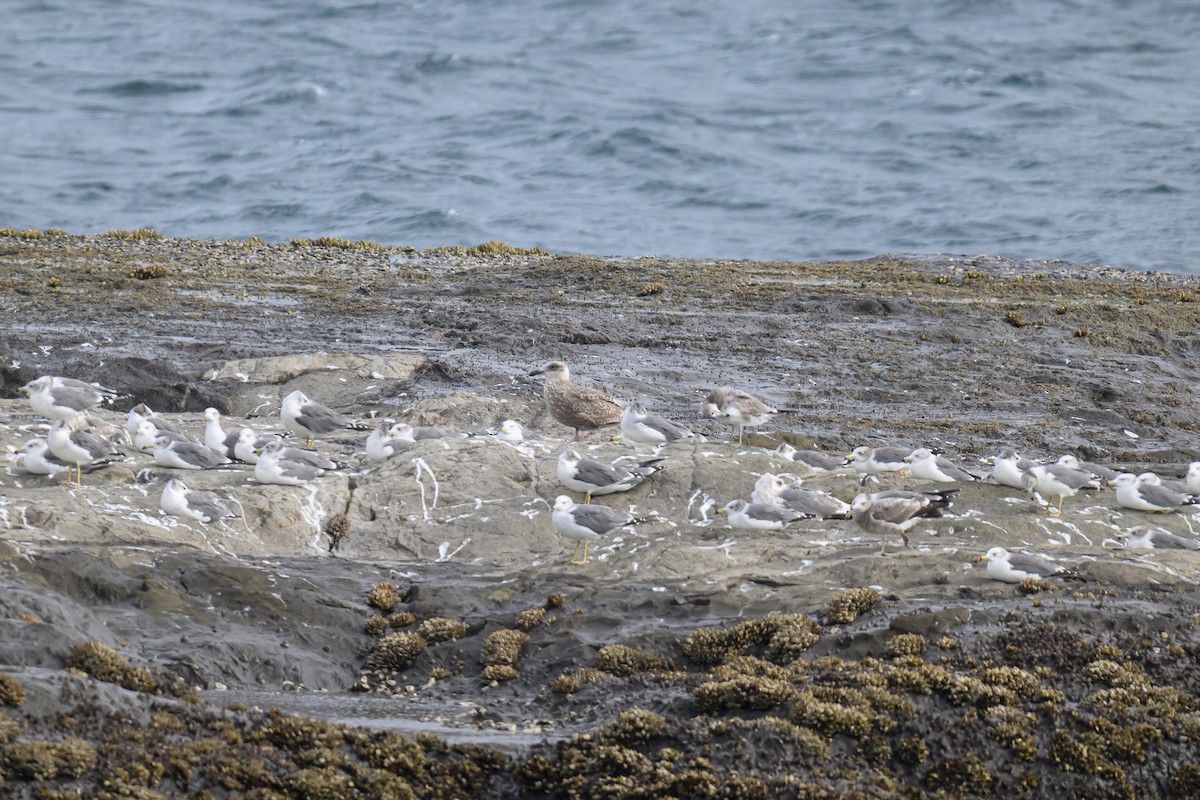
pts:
[145, 88]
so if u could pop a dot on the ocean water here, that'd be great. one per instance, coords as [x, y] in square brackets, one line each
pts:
[815, 129]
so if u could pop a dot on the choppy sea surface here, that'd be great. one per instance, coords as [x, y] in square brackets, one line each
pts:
[815, 129]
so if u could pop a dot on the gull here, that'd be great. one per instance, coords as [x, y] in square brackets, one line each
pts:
[215, 436]
[1016, 567]
[1166, 483]
[924, 464]
[759, 516]
[593, 477]
[274, 467]
[576, 406]
[383, 443]
[249, 444]
[894, 512]
[1192, 480]
[146, 435]
[1057, 480]
[586, 523]
[774, 489]
[1099, 471]
[735, 407]
[306, 418]
[1009, 469]
[180, 501]
[1133, 491]
[641, 428]
[512, 432]
[185, 455]
[1142, 536]
[79, 448]
[40, 461]
[409, 433]
[873, 460]
[142, 413]
[822, 462]
[65, 398]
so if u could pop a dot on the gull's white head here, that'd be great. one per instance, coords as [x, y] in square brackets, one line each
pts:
[1126, 479]
[212, 415]
[556, 370]
[570, 457]
[860, 504]
[995, 554]
[563, 503]
[920, 454]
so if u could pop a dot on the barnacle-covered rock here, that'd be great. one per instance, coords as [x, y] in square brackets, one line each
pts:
[622, 660]
[503, 647]
[396, 651]
[105, 664]
[850, 604]
[441, 629]
[384, 596]
[11, 691]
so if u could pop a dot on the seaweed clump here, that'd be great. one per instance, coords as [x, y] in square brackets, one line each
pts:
[39, 761]
[105, 664]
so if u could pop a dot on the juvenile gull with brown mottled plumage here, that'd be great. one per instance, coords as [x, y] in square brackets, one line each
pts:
[576, 406]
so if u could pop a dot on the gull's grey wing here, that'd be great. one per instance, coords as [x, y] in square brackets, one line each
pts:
[78, 398]
[809, 501]
[599, 519]
[772, 513]
[818, 460]
[671, 430]
[1027, 563]
[597, 473]
[298, 470]
[1069, 476]
[1102, 472]
[1160, 495]
[319, 419]
[97, 448]
[309, 457]
[747, 403]
[954, 470]
[891, 455]
[197, 454]
[208, 504]
[1171, 541]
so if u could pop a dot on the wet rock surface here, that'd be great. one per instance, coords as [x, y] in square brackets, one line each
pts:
[492, 666]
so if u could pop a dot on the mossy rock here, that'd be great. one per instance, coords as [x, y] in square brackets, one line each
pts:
[11, 691]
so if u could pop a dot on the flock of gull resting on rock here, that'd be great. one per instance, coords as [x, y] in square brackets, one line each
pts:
[78, 441]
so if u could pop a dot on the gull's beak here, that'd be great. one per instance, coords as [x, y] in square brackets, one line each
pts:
[537, 372]
[983, 557]
[24, 390]
[1112, 481]
[720, 510]
[908, 458]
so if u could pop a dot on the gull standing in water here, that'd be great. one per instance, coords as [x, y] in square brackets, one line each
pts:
[576, 406]
[735, 407]
[586, 523]
[309, 419]
[65, 398]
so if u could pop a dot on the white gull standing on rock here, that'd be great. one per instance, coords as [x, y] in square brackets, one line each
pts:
[65, 398]
[215, 437]
[593, 477]
[586, 523]
[309, 419]
[79, 448]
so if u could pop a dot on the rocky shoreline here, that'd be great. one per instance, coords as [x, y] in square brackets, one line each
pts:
[685, 658]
